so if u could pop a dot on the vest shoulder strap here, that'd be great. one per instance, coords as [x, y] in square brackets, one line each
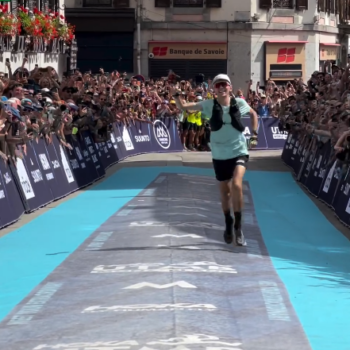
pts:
[233, 101]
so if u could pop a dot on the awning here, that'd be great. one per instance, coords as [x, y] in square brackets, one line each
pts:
[327, 44]
[186, 42]
[285, 42]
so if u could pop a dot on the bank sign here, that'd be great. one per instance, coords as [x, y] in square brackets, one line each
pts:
[187, 50]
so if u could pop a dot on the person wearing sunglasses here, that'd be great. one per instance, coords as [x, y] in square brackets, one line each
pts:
[229, 149]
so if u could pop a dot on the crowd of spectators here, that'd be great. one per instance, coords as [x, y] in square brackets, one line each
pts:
[36, 104]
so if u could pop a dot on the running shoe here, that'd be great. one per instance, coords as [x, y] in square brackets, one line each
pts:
[239, 238]
[228, 234]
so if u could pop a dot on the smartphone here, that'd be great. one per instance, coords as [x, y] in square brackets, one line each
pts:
[7, 60]
[26, 56]
[6, 75]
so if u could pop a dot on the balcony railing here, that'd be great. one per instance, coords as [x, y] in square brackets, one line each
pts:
[188, 3]
[283, 4]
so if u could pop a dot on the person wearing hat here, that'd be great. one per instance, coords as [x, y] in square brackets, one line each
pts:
[229, 149]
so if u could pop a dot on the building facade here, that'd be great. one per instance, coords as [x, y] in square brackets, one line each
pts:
[43, 57]
[250, 39]
[253, 39]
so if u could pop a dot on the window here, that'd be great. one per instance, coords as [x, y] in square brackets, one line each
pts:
[321, 5]
[213, 3]
[162, 3]
[283, 4]
[97, 3]
[188, 3]
[302, 5]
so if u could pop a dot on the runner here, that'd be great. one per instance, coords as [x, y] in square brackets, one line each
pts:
[229, 148]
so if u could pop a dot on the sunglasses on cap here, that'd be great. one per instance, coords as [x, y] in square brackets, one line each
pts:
[221, 84]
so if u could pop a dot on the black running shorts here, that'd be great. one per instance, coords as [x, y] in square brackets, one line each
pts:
[224, 169]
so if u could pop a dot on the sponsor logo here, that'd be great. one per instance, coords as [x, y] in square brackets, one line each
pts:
[7, 178]
[142, 138]
[160, 51]
[183, 342]
[45, 163]
[127, 140]
[161, 133]
[197, 266]
[286, 55]
[150, 307]
[277, 134]
[246, 131]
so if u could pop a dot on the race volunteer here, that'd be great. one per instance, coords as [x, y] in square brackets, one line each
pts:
[229, 149]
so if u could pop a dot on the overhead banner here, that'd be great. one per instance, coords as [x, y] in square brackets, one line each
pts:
[164, 50]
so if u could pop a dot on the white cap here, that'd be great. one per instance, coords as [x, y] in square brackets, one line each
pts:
[221, 77]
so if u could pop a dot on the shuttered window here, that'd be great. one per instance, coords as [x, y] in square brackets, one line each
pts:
[213, 3]
[162, 3]
[265, 4]
[321, 5]
[332, 6]
[302, 4]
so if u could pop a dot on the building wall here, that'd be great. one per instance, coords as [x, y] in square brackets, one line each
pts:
[57, 61]
[299, 17]
[243, 25]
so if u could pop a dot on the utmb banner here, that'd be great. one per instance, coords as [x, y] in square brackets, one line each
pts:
[269, 136]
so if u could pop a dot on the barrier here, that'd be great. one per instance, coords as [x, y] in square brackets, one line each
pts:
[49, 171]
[319, 172]
[268, 133]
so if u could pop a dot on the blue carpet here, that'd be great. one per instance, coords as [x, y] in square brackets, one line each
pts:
[311, 257]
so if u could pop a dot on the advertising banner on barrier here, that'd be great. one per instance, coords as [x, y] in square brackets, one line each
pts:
[322, 174]
[35, 185]
[275, 138]
[262, 144]
[141, 137]
[62, 181]
[268, 132]
[65, 165]
[89, 144]
[12, 208]
[50, 170]
[341, 201]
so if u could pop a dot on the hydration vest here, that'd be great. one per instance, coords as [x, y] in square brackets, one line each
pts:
[216, 121]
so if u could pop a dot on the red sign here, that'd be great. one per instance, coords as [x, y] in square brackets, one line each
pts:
[286, 55]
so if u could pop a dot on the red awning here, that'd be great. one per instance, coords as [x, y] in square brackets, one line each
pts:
[286, 42]
[187, 42]
[326, 44]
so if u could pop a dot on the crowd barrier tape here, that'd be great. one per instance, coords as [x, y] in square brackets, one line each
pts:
[50, 171]
[269, 136]
[317, 169]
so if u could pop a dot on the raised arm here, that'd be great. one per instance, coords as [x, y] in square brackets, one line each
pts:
[184, 106]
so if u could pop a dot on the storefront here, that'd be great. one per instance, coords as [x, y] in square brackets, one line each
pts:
[284, 60]
[187, 59]
[328, 52]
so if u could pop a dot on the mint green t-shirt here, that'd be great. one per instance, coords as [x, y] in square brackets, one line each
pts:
[227, 143]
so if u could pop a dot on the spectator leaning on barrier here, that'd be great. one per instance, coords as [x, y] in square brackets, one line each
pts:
[36, 104]
[320, 110]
